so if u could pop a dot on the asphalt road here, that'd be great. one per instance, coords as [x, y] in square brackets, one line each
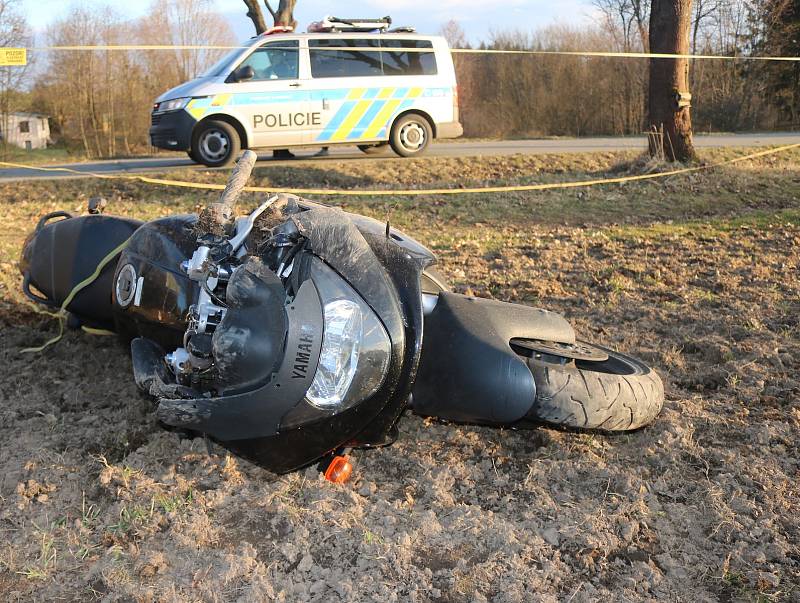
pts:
[443, 149]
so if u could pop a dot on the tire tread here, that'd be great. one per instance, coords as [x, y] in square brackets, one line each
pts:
[633, 403]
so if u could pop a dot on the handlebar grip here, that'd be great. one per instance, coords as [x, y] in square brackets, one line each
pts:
[215, 218]
[238, 179]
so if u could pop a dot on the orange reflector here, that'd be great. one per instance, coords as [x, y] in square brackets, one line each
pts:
[339, 470]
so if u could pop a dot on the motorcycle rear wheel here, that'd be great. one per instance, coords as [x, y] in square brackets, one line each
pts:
[617, 394]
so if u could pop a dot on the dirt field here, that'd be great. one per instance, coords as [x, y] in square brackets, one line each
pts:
[698, 275]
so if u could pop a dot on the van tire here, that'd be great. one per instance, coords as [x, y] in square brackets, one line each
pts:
[410, 135]
[192, 156]
[215, 143]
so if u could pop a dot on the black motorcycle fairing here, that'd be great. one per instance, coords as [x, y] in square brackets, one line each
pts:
[391, 287]
[360, 426]
[158, 311]
[405, 261]
[256, 414]
[375, 232]
[374, 348]
[468, 371]
[387, 276]
[334, 238]
[248, 344]
[59, 255]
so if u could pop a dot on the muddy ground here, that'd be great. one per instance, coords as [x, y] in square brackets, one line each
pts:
[698, 275]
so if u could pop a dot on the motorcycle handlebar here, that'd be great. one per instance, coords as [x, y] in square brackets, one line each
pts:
[216, 218]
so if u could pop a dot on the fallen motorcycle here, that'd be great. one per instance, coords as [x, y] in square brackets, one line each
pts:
[300, 330]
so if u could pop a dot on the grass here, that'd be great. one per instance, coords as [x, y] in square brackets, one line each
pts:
[132, 516]
[756, 219]
[45, 562]
[14, 154]
[174, 503]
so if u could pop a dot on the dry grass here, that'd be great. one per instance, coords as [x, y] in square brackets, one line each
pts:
[694, 274]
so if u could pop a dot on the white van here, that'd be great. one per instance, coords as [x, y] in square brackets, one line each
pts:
[283, 90]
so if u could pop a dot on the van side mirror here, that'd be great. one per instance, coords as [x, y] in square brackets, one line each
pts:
[243, 74]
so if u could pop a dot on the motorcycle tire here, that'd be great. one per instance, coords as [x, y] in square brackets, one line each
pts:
[617, 394]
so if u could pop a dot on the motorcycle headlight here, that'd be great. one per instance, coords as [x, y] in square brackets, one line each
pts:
[355, 351]
[174, 104]
[338, 359]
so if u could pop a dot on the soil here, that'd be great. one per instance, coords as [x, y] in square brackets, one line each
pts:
[98, 502]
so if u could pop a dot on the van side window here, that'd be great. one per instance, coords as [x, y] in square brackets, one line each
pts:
[344, 58]
[276, 61]
[408, 62]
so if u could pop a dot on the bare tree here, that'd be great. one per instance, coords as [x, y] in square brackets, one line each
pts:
[256, 15]
[702, 10]
[283, 15]
[627, 19]
[101, 101]
[454, 34]
[668, 95]
[185, 23]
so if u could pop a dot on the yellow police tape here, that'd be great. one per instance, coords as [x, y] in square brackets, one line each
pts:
[625, 55]
[575, 53]
[62, 311]
[415, 192]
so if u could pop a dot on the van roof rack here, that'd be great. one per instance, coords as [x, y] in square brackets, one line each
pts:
[337, 24]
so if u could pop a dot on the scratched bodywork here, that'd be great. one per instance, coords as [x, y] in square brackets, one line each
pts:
[266, 349]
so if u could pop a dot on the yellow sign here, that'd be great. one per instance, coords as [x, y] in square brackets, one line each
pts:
[13, 56]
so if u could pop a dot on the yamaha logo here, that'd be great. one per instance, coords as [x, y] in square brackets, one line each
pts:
[126, 285]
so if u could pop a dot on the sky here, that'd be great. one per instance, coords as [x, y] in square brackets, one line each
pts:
[477, 17]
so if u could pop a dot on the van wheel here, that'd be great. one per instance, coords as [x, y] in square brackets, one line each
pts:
[374, 149]
[410, 135]
[215, 144]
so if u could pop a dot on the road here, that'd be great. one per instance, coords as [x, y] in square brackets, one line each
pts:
[443, 149]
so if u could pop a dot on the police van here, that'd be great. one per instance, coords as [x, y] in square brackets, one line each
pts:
[345, 81]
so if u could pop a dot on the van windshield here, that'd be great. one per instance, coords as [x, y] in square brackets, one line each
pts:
[225, 64]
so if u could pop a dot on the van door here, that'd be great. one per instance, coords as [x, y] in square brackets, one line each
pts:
[273, 104]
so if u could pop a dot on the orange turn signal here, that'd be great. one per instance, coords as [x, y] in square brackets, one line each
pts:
[339, 470]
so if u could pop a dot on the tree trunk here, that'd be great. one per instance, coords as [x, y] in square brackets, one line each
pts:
[256, 16]
[670, 21]
[285, 13]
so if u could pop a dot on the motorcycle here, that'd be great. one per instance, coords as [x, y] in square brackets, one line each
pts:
[300, 331]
